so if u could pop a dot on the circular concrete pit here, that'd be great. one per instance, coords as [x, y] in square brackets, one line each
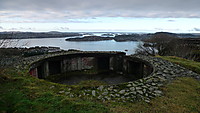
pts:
[110, 68]
[148, 73]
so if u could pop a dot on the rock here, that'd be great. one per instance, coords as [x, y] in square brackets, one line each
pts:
[158, 92]
[100, 88]
[126, 94]
[144, 90]
[111, 87]
[122, 91]
[159, 84]
[104, 93]
[115, 90]
[149, 81]
[140, 92]
[132, 88]
[61, 92]
[71, 95]
[172, 72]
[147, 100]
[117, 95]
[66, 93]
[166, 71]
[99, 97]
[138, 88]
[93, 93]
[108, 98]
[52, 87]
[151, 89]
[111, 95]
[134, 92]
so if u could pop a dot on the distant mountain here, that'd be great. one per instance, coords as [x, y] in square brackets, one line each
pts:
[27, 35]
[89, 38]
[131, 37]
[117, 37]
[180, 35]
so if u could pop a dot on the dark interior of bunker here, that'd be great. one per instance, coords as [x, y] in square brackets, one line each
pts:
[111, 68]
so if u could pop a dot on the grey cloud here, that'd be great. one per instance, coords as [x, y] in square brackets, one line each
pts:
[72, 16]
[169, 5]
[64, 28]
[1, 27]
[21, 28]
[196, 29]
[164, 29]
[171, 20]
[107, 8]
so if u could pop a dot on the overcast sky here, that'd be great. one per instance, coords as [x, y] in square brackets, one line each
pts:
[100, 15]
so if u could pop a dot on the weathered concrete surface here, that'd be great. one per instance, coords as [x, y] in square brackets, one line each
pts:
[145, 88]
[79, 62]
[72, 64]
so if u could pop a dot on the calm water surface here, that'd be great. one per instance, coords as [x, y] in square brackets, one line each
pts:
[110, 45]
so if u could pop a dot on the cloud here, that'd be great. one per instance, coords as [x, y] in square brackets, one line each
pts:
[64, 28]
[65, 9]
[171, 20]
[83, 16]
[164, 29]
[20, 28]
[1, 27]
[138, 5]
[196, 29]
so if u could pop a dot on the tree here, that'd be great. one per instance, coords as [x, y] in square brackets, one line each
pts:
[7, 39]
[4, 40]
[166, 45]
[146, 49]
[157, 44]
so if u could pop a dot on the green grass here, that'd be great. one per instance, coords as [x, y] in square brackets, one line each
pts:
[192, 65]
[25, 94]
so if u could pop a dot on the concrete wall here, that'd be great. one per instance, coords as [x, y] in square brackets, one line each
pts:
[78, 63]
[62, 64]
[107, 62]
[136, 68]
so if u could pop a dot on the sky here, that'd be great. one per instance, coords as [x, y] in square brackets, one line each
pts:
[179, 16]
